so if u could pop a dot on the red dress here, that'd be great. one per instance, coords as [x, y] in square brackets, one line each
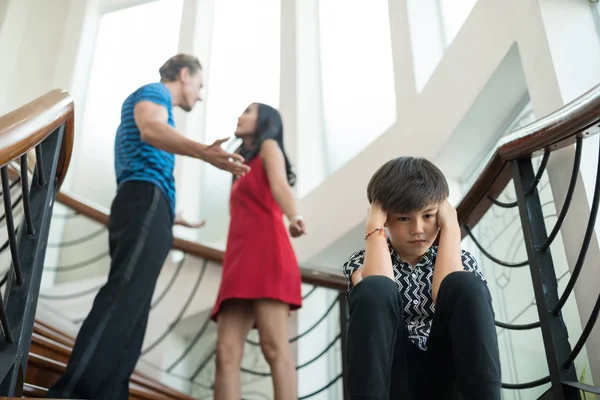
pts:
[260, 262]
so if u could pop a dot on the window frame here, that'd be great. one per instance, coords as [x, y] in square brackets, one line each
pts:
[595, 6]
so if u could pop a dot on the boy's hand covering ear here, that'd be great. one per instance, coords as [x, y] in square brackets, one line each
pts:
[376, 216]
[446, 215]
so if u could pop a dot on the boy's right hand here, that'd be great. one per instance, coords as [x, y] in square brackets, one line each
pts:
[376, 217]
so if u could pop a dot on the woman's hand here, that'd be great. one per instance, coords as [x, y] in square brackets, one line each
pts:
[297, 227]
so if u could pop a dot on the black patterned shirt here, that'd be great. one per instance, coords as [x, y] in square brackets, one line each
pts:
[414, 285]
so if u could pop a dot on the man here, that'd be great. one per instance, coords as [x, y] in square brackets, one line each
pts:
[140, 230]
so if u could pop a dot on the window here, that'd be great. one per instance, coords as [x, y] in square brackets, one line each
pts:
[244, 68]
[359, 96]
[433, 25]
[595, 5]
[129, 51]
[453, 13]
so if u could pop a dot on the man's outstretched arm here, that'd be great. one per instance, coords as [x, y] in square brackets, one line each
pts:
[151, 120]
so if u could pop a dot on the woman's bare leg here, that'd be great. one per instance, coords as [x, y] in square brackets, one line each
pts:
[235, 320]
[272, 323]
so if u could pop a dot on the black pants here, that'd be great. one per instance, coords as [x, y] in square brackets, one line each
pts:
[110, 340]
[462, 352]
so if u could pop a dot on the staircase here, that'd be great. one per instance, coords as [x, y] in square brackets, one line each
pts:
[36, 142]
[33, 353]
[49, 352]
[47, 347]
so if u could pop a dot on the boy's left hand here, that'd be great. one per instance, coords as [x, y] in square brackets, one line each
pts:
[446, 215]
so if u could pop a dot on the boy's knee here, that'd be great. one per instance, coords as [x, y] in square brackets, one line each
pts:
[373, 292]
[465, 285]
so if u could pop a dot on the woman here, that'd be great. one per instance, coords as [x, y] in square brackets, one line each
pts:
[261, 279]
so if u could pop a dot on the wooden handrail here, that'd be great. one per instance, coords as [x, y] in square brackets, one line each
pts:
[100, 215]
[552, 132]
[27, 126]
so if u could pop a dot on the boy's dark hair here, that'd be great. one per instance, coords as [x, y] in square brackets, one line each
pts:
[407, 184]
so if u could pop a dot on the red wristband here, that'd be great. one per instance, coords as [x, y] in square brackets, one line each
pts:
[380, 230]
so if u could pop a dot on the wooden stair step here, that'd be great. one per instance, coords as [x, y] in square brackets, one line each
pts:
[135, 392]
[50, 332]
[46, 371]
[46, 347]
[34, 391]
[49, 352]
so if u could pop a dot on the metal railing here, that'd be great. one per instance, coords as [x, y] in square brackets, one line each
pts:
[35, 148]
[189, 367]
[514, 161]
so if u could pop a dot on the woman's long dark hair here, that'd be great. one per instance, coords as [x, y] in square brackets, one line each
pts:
[268, 126]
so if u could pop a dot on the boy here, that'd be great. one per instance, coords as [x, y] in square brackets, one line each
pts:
[418, 321]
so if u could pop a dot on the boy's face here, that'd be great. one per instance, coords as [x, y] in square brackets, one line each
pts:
[413, 233]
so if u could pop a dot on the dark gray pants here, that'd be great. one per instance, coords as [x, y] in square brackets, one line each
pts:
[110, 340]
[462, 351]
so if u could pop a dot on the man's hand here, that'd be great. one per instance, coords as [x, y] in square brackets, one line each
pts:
[215, 155]
[446, 216]
[376, 217]
[179, 220]
[297, 227]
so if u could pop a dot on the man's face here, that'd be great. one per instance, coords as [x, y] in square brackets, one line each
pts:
[191, 87]
[413, 233]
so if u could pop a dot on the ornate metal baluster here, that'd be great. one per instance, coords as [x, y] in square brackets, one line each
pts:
[545, 284]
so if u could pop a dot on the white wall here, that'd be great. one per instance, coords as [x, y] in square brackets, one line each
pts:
[28, 24]
[3, 7]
